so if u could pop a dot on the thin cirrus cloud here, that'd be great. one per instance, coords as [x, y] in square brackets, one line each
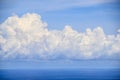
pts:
[64, 4]
[52, 5]
[28, 37]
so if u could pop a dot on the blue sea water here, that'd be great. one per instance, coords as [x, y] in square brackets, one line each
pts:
[60, 74]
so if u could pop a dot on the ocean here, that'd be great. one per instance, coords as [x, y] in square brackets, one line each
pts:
[60, 74]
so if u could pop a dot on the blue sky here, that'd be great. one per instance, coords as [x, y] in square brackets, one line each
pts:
[80, 14]
[59, 29]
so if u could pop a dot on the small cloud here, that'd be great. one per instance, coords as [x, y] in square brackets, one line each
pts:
[119, 30]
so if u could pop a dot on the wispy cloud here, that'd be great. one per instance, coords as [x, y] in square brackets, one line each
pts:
[47, 5]
[28, 37]
[63, 4]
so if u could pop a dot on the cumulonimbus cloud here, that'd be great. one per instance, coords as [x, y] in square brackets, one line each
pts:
[28, 37]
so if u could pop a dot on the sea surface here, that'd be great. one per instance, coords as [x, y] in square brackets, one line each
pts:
[60, 74]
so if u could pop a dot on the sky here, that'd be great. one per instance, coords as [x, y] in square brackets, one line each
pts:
[80, 14]
[59, 29]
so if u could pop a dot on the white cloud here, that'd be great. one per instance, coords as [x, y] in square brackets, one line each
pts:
[28, 37]
[63, 4]
[84, 3]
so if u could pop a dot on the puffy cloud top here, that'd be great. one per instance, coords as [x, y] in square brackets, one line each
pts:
[28, 37]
